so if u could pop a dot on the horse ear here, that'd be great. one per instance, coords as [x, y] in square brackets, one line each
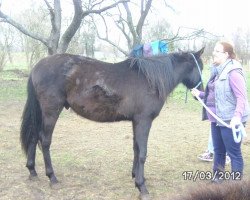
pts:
[200, 52]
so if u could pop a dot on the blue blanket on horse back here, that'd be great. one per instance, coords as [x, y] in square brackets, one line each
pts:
[150, 49]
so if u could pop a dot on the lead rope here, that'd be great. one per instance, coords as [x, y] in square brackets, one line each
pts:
[238, 132]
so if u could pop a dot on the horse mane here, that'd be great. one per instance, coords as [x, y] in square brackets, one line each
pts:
[158, 70]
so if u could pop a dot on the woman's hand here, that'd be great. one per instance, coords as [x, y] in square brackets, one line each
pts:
[195, 92]
[235, 121]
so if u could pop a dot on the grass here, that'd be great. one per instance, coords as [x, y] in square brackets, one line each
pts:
[13, 85]
[19, 62]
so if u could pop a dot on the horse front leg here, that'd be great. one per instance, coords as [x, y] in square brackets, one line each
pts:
[142, 127]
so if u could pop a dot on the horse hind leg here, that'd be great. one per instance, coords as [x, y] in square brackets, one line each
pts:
[31, 155]
[46, 137]
[30, 127]
[50, 116]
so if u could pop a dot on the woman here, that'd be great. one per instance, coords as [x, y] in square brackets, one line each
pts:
[226, 96]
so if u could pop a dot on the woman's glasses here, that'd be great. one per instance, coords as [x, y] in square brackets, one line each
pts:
[216, 51]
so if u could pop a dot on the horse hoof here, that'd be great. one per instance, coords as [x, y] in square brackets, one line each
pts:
[144, 197]
[33, 177]
[53, 180]
[55, 186]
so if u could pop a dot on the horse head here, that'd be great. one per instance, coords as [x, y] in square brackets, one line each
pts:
[194, 64]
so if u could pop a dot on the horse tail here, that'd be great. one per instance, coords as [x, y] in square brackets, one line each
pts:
[31, 118]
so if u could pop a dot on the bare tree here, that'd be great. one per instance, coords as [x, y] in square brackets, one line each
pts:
[247, 52]
[242, 44]
[57, 42]
[6, 42]
[84, 40]
[33, 50]
[160, 30]
[3, 56]
[131, 30]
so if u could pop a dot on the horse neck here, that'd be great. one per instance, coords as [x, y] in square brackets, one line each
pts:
[178, 77]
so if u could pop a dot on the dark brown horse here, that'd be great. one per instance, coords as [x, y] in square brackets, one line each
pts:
[133, 90]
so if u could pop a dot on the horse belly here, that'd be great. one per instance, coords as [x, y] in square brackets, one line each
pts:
[97, 104]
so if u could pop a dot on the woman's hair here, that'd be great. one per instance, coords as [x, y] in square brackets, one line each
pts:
[229, 49]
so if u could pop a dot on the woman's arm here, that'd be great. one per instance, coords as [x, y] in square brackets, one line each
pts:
[238, 86]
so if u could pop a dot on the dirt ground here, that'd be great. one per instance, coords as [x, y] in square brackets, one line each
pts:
[94, 160]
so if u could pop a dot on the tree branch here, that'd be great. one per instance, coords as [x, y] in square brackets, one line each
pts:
[55, 18]
[106, 39]
[98, 3]
[130, 23]
[76, 22]
[196, 33]
[73, 27]
[141, 21]
[49, 7]
[121, 26]
[35, 36]
[175, 36]
[87, 12]
[122, 29]
[169, 6]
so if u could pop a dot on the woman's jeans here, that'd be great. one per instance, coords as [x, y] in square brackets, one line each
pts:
[223, 142]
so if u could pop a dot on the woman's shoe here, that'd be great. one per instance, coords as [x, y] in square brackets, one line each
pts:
[206, 156]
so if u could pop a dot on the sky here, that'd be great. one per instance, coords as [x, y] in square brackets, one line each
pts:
[221, 17]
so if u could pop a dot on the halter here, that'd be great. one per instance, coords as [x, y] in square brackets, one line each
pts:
[199, 69]
[238, 132]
